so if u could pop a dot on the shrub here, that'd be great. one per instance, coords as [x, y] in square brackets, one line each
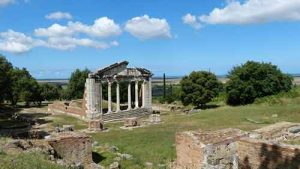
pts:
[255, 80]
[199, 88]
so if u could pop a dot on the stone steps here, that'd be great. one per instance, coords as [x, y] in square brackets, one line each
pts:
[125, 114]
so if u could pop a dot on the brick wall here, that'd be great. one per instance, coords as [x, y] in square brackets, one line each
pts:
[58, 107]
[259, 154]
[190, 154]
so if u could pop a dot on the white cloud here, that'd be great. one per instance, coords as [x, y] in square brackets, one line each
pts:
[59, 15]
[102, 27]
[6, 2]
[191, 20]
[144, 27]
[16, 42]
[254, 11]
[68, 43]
[55, 30]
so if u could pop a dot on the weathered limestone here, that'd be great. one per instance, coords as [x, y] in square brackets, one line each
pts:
[96, 125]
[154, 118]
[258, 154]
[109, 98]
[118, 97]
[209, 150]
[72, 148]
[129, 96]
[93, 97]
[92, 106]
[136, 94]
[131, 122]
[234, 149]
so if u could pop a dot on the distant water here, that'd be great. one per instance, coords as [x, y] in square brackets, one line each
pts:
[63, 81]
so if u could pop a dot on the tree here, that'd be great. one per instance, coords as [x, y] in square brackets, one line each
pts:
[254, 80]
[50, 92]
[164, 86]
[199, 88]
[22, 86]
[5, 68]
[76, 84]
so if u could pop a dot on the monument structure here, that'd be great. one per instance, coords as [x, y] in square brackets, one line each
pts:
[116, 73]
[139, 101]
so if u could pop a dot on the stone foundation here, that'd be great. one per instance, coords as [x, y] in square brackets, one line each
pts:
[67, 108]
[259, 154]
[72, 148]
[131, 122]
[96, 125]
[234, 149]
[201, 149]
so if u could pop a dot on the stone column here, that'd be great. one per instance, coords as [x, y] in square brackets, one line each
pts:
[100, 98]
[144, 94]
[136, 94]
[109, 97]
[129, 96]
[150, 93]
[92, 99]
[118, 97]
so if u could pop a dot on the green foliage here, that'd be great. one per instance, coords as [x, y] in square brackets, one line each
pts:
[199, 88]
[255, 80]
[281, 98]
[5, 68]
[23, 87]
[50, 92]
[76, 84]
[164, 85]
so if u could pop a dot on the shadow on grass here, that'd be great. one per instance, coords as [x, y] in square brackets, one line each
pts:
[97, 158]
[274, 157]
[208, 106]
[19, 125]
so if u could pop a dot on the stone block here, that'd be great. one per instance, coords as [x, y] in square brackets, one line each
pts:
[258, 154]
[68, 127]
[96, 125]
[199, 149]
[72, 147]
[154, 118]
[131, 122]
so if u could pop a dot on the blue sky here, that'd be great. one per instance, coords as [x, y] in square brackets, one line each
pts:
[51, 38]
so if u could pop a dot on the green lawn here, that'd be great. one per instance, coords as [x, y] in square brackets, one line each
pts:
[155, 143]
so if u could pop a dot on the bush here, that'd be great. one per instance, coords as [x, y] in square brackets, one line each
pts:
[76, 84]
[255, 80]
[199, 88]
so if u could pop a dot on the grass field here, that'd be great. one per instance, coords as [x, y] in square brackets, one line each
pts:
[156, 143]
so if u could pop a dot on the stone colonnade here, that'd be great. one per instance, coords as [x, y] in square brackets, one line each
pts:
[94, 96]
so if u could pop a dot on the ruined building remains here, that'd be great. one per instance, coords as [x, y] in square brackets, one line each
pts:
[138, 79]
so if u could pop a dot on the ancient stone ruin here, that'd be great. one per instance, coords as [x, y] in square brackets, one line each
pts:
[235, 149]
[92, 104]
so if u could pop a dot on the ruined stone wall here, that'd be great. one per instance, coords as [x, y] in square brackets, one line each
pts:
[259, 154]
[232, 149]
[190, 154]
[59, 107]
[72, 148]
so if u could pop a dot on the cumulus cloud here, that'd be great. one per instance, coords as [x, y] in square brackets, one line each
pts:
[254, 11]
[68, 43]
[144, 27]
[191, 20]
[102, 27]
[6, 2]
[18, 43]
[59, 15]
